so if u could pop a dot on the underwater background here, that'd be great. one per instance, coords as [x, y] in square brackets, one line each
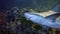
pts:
[14, 22]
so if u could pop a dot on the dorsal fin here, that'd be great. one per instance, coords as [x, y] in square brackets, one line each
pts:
[53, 16]
[56, 8]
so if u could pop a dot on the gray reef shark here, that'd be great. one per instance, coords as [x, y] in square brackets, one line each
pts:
[49, 21]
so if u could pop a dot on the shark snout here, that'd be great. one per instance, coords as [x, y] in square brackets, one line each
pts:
[28, 15]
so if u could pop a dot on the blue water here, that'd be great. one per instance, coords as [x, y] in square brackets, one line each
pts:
[7, 4]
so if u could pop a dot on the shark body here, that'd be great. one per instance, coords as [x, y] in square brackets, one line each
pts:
[49, 21]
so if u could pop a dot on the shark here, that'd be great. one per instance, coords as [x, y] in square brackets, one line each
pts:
[49, 21]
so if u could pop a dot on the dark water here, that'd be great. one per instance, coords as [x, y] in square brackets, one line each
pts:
[7, 4]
